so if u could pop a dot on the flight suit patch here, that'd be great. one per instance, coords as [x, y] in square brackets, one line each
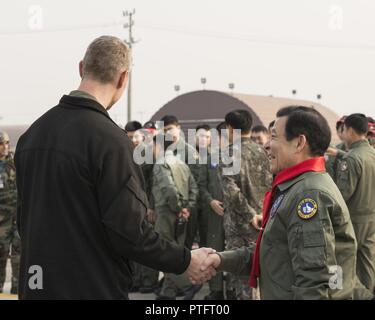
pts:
[343, 166]
[307, 208]
[276, 205]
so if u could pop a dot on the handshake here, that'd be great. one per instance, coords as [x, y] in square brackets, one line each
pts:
[203, 264]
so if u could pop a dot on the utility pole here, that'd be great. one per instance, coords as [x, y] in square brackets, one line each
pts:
[130, 42]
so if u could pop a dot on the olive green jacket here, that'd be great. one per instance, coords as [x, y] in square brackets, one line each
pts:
[173, 185]
[309, 235]
[356, 181]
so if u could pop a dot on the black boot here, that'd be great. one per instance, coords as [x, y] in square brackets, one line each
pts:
[231, 295]
[192, 291]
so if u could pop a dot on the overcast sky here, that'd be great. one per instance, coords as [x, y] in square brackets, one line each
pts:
[263, 46]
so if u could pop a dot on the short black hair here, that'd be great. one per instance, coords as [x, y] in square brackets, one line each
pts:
[133, 126]
[239, 119]
[221, 126]
[358, 122]
[270, 126]
[203, 126]
[169, 119]
[149, 125]
[259, 128]
[163, 140]
[310, 123]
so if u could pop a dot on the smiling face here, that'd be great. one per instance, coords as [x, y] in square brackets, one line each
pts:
[283, 153]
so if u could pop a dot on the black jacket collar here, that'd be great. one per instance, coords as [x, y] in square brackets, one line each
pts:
[78, 102]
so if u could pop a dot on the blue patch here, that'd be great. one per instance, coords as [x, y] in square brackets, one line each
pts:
[307, 208]
[276, 205]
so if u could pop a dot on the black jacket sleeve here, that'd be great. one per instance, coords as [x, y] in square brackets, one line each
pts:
[123, 206]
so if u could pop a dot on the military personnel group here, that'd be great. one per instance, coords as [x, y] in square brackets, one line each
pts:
[296, 221]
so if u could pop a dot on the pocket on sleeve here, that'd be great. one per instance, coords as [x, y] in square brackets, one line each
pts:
[127, 211]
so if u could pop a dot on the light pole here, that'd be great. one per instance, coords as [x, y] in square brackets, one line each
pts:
[231, 87]
[130, 43]
[177, 88]
[203, 82]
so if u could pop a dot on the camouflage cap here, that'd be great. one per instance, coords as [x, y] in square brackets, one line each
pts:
[4, 137]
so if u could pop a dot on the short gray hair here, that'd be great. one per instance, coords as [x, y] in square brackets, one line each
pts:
[105, 57]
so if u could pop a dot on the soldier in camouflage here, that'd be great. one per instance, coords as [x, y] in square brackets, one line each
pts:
[9, 238]
[243, 193]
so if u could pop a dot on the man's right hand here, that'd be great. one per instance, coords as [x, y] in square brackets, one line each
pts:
[213, 260]
[216, 205]
[194, 271]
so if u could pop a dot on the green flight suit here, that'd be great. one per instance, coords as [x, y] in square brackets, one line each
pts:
[148, 278]
[173, 189]
[187, 153]
[210, 188]
[356, 181]
[308, 248]
[332, 162]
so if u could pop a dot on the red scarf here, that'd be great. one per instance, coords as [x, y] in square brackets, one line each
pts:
[314, 164]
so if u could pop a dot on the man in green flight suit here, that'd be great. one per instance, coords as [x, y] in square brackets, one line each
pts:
[211, 191]
[356, 181]
[175, 192]
[335, 154]
[186, 153]
[307, 248]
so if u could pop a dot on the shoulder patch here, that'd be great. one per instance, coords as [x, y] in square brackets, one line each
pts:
[343, 166]
[307, 208]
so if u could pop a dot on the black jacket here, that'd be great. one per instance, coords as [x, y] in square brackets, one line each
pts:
[82, 207]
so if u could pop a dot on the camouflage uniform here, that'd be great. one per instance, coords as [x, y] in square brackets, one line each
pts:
[9, 238]
[173, 189]
[243, 199]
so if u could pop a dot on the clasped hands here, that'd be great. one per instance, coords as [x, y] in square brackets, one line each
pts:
[203, 264]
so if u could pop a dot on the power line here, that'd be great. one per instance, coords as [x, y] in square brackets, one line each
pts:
[63, 29]
[204, 34]
[254, 39]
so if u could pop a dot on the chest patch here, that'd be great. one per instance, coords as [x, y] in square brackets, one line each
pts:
[276, 205]
[307, 208]
[343, 166]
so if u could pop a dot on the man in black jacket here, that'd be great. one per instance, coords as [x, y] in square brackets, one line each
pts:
[82, 205]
